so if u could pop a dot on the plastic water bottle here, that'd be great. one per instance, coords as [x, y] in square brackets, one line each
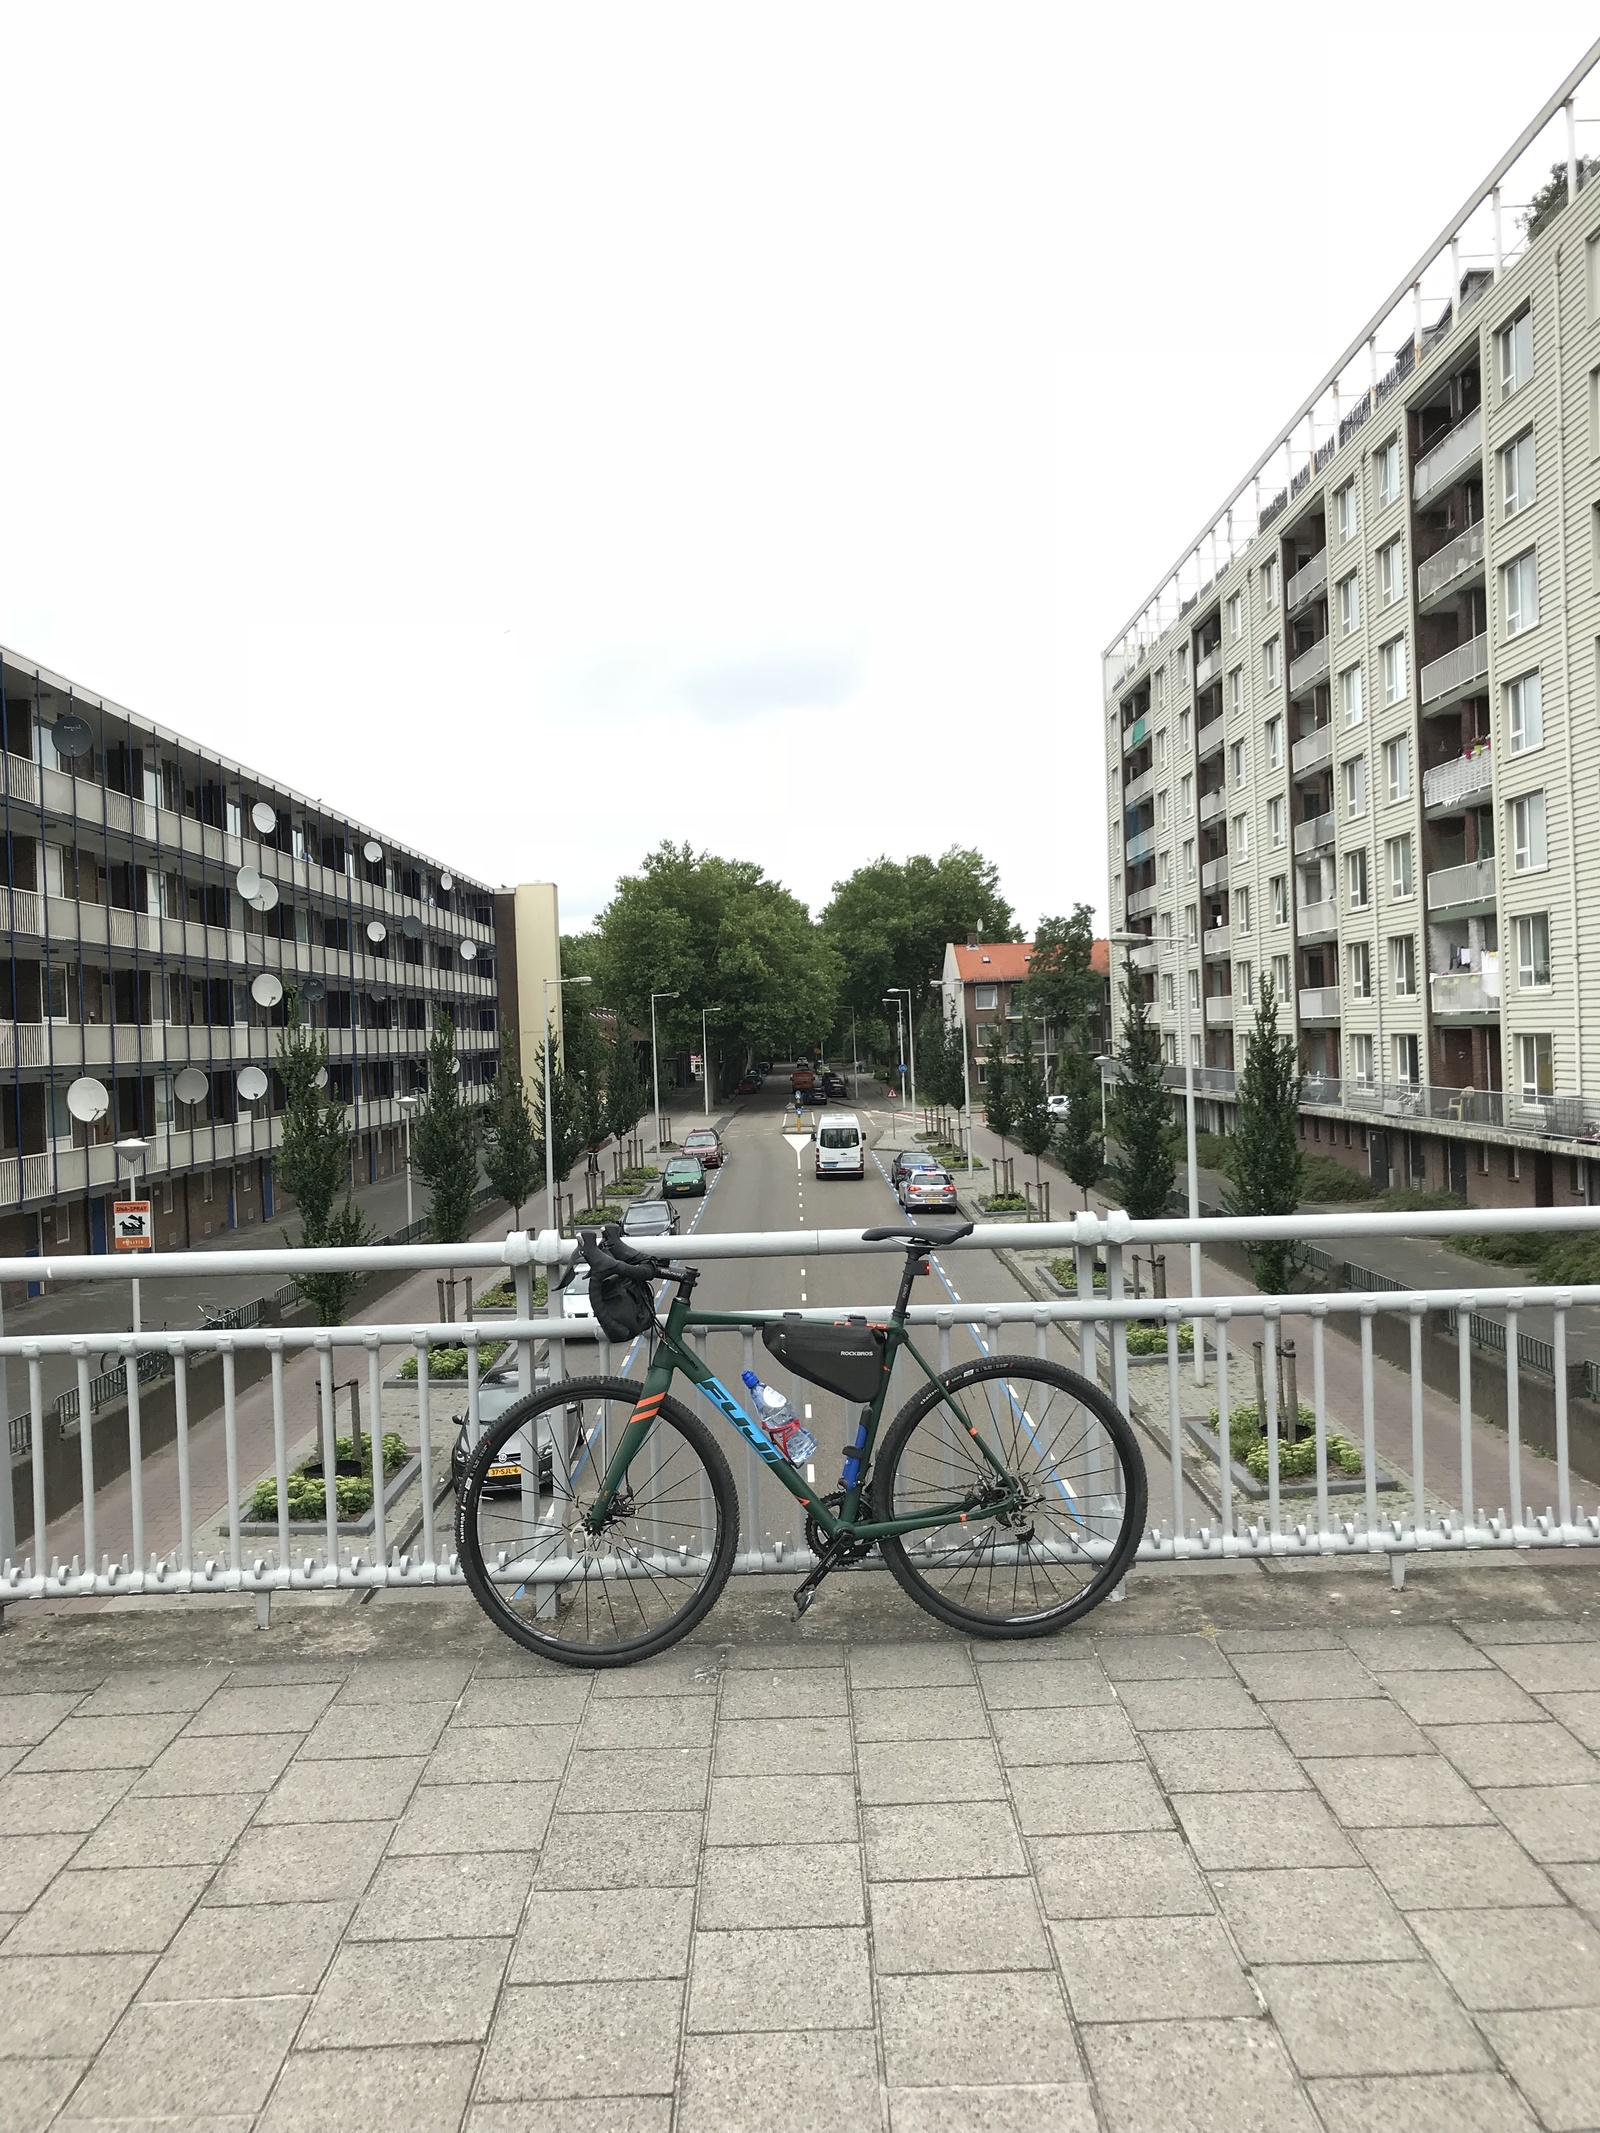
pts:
[780, 1421]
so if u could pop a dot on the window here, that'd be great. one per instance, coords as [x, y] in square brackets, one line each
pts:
[1161, 688]
[1236, 689]
[1360, 966]
[1238, 763]
[1162, 809]
[1361, 1060]
[1386, 470]
[1515, 343]
[1236, 615]
[1169, 998]
[1277, 832]
[1161, 749]
[1194, 991]
[1525, 713]
[1183, 664]
[1282, 976]
[1517, 476]
[1169, 1047]
[1191, 924]
[1355, 786]
[1245, 982]
[1166, 870]
[1536, 1067]
[1346, 516]
[1269, 583]
[1352, 700]
[985, 999]
[1527, 833]
[1349, 590]
[1239, 845]
[1274, 743]
[1188, 859]
[1407, 1063]
[1186, 790]
[1403, 965]
[1280, 899]
[1393, 661]
[1272, 662]
[1397, 766]
[1401, 880]
[1240, 905]
[1533, 951]
[1357, 890]
[1519, 594]
[1183, 732]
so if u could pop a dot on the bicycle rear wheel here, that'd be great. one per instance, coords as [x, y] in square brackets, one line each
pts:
[649, 1575]
[1084, 1496]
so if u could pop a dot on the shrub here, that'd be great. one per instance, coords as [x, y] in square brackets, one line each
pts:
[452, 1362]
[1005, 1203]
[352, 1493]
[1067, 1274]
[1553, 1261]
[1247, 1440]
[503, 1296]
[1152, 1340]
[1321, 1178]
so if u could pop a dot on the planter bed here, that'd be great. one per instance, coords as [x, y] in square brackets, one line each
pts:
[1245, 1483]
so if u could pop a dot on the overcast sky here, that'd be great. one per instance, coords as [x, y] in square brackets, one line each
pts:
[545, 429]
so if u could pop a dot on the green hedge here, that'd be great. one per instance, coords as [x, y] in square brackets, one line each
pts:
[1152, 1340]
[1067, 1274]
[308, 1497]
[503, 1296]
[1248, 1442]
[452, 1362]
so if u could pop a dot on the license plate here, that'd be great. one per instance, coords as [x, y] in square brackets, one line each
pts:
[504, 1473]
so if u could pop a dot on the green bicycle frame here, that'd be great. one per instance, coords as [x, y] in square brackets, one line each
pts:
[672, 1355]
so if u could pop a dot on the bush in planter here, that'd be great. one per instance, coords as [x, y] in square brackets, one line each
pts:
[1152, 1340]
[1005, 1203]
[1247, 1440]
[503, 1296]
[1067, 1274]
[307, 1494]
[452, 1362]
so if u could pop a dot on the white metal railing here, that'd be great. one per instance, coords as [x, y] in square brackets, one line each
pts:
[1206, 670]
[1316, 921]
[1455, 671]
[1315, 834]
[1140, 901]
[1307, 582]
[1450, 562]
[1214, 873]
[1219, 1010]
[1466, 992]
[1209, 738]
[1312, 750]
[1213, 803]
[1136, 788]
[1438, 467]
[1449, 888]
[1310, 668]
[1214, 941]
[1417, 1489]
[1464, 777]
[1319, 1003]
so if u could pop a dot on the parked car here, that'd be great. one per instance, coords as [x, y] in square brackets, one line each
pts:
[684, 1178]
[833, 1085]
[575, 1296]
[706, 1143]
[650, 1218]
[909, 1159]
[927, 1188]
[748, 1084]
[498, 1393]
[1057, 1106]
[763, 1066]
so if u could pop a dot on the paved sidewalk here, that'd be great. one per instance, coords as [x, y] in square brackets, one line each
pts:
[1261, 1852]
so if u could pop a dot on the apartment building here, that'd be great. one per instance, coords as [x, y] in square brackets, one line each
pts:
[159, 901]
[982, 982]
[1352, 743]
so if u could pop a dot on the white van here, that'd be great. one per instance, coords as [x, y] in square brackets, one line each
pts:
[840, 1145]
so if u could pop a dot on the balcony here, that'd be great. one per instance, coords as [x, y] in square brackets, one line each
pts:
[1214, 874]
[1214, 942]
[1219, 1010]
[1463, 889]
[1307, 582]
[1316, 922]
[1140, 901]
[1456, 563]
[1209, 739]
[1213, 803]
[1319, 1091]
[1445, 681]
[1312, 750]
[1134, 734]
[1448, 786]
[1208, 1081]
[1315, 835]
[1139, 788]
[1467, 993]
[1208, 669]
[1310, 668]
[1144, 956]
[1140, 845]
[1319, 1003]
[1438, 468]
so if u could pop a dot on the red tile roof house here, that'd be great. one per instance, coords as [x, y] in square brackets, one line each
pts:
[982, 981]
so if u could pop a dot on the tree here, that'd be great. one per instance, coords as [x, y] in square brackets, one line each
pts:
[1551, 197]
[999, 1107]
[513, 1160]
[939, 1060]
[313, 1163]
[581, 1121]
[889, 922]
[1032, 1125]
[1267, 1163]
[626, 1100]
[1080, 1143]
[1062, 988]
[1141, 1115]
[445, 1138]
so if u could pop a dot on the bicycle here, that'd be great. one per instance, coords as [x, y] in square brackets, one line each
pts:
[1007, 1501]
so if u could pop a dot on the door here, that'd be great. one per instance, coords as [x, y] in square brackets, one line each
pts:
[1378, 1157]
[1544, 1181]
[1458, 1168]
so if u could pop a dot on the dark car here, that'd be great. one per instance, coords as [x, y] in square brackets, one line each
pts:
[748, 1084]
[833, 1085]
[907, 1160]
[927, 1188]
[650, 1218]
[684, 1178]
[706, 1143]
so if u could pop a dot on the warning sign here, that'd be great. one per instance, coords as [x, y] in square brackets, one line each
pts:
[130, 1225]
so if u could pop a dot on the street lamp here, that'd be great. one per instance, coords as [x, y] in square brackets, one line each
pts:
[705, 1053]
[549, 1121]
[655, 1058]
[408, 1104]
[908, 1042]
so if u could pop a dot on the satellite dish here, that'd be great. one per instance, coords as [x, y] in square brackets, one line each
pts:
[455, 1070]
[319, 1080]
[266, 897]
[469, 951]
[312, 990]
[73, 738]
[377, 930]
[253, 1084]
[264, 818]
[87, 1099]
[190, 1086]
[372, 852]
[447, 882]
[411, 927]
[248, 883]
[266, 988]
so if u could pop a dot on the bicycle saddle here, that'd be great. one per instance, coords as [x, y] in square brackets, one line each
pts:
[919, 1240]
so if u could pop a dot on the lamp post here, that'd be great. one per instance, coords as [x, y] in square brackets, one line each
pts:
[655, 1059]
[966, 1083]
[549, 1120]
[408, 1104]
[909, 1039]
[705, 1051]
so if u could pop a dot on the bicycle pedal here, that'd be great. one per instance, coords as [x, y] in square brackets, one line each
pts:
[803, 1599]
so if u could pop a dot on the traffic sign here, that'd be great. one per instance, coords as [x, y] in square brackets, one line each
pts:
[130, 1225]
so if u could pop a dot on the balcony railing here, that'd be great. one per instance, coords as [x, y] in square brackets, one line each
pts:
[1209, 739]
[1466, 992]
[1312, 750]
[1315, 922]
[1143, 957]
[1214, 874]
[1207, 669]
[1321, 1090]
[1456, 888]
[1319, 1003]
[1134, 734]
[1213, 803]
[1219, 1010]
[1436, 469]
[1464, 777]
[1315, 835]
[1136, 788]
[1307, 582]
[1454, 673]
[1140, 845]
[1214, 942]
[1140, 901]
[1459, 558]
[1208, 1081]
[1310, 668]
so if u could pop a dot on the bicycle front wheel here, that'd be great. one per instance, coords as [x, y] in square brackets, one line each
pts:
[1069, 1450]
[601, 1598]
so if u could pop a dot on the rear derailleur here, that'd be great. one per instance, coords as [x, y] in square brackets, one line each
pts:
[830, 1554]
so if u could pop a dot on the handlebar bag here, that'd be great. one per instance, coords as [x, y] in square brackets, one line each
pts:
[846, 1359]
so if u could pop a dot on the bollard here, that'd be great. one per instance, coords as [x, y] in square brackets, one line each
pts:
[1291, 1392]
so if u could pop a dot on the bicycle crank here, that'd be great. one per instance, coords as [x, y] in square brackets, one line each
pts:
[830, 1554]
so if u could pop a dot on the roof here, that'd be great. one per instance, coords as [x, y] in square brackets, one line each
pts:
[1006, 962]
